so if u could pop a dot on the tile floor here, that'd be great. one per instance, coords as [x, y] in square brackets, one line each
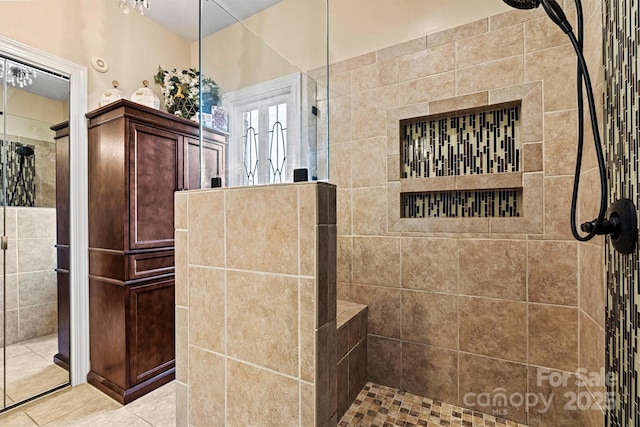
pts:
[375, 406]
[30, 368]
[86, 406]
[380, 406]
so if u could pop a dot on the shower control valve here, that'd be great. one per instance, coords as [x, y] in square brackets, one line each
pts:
[621, 227]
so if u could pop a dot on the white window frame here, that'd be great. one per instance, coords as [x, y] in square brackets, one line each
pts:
[285, 89]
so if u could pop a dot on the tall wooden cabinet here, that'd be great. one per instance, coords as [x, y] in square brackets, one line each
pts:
[138, 158]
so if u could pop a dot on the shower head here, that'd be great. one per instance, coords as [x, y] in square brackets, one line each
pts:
[523, 4]
[552, 8]
[24, 151]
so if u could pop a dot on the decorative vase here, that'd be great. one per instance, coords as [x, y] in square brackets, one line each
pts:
[186, 108]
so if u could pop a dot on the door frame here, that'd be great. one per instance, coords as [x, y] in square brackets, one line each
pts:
[78, 192]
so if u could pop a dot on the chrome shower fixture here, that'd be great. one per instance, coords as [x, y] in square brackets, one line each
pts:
[621, 225]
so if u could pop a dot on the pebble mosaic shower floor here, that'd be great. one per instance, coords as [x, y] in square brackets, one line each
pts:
[380, 406]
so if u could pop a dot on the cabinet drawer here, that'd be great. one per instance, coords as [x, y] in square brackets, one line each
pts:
[146, 265]
[115, 265]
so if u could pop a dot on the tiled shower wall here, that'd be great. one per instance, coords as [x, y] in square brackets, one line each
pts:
[31, 292]
[622, 36]
[41, 171]
[466, 306]
[256, 306]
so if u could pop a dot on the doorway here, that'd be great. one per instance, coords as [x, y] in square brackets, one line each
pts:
[43, 101]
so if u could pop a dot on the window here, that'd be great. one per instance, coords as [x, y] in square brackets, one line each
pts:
[265, 132]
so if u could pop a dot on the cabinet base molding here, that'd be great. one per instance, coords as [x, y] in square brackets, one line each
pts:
[123, 396]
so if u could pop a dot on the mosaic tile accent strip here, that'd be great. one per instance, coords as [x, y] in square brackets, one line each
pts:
[462, 144]
[462, 204]
[380, 406]
[622, 144]
[24, 194]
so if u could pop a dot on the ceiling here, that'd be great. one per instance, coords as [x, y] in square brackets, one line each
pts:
[217, 14]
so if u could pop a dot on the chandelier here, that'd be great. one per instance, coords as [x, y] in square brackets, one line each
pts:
[17, 75]
[141, 5]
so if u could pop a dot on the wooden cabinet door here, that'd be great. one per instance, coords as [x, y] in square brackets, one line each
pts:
[212, 162]
[155, 173]
[151, 323]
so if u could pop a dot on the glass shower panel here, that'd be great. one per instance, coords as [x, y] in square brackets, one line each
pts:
[3, 290]
[270, 69]
[35, 101]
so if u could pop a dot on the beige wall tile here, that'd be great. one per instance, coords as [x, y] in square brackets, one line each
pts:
[430, 371]
[384, 361]
[405, 48]
[560, 397]
[456, 225]
[393, 169]
[326, 275]
[182, 267]
[557, 207]
[340, 119]
[326, 373]
[478, 374]
[531, 120]
[552, 272]
[560, 136]
[248, 230]
[353, 63]
[35, 255]
[369, 211]
[498, 44]
[262, 320]
[339, 84]
[430, 318]
[543, 33]
[592, 418]
[491, 75]
[343, 209]
[207, 228]
[276, 400]
[344, 259]
[556, 67]
[182, 405]
[313, 209]
[384, 307]
[511, 93]
[514, 17]
[182, 344]
[376, 261]
[553, 336]
[382, 73]
[474, 100]
[493, 268]
[589, 197]
[438, 86]
[457, 33]
[427, 62]
[307, 327]
[180, 206]
[357, 369]
[532, 157]
[495, 328]
[368, 162]
[36, 223]
[368, 121]
[307, 404]
[206, 388]
[430, 264]
[207, 308]
[341, 164]
[36, 288]
[592, 350]
[37, 321]
[593, 291]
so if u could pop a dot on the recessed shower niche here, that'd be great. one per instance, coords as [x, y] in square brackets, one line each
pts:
[462, 164]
